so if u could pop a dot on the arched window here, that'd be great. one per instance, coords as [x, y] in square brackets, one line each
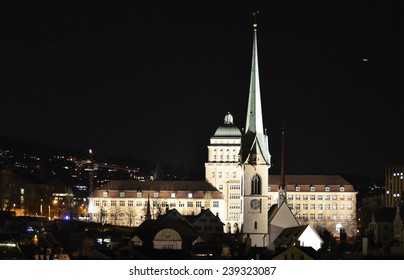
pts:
[255, 225]
[255, 185]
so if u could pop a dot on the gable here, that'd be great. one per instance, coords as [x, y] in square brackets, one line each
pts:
[284, 217]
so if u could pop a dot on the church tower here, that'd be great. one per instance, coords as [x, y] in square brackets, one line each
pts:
[255, 161]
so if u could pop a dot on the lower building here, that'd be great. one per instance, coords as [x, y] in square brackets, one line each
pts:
[323, 201]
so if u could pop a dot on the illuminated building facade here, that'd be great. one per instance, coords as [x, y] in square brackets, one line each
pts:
[394, 183]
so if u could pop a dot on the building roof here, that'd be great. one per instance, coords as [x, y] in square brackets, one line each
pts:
[148, 229]
[334, 182]
[227, 130]
[199, 189]
[289, 236]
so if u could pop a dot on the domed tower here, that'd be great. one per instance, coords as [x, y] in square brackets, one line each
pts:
[222, 170]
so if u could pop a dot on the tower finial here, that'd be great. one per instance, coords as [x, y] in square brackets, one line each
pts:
[254, 14]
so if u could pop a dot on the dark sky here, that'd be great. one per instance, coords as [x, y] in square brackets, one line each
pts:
[154, 79]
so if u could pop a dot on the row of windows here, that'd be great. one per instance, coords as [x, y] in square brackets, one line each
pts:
[320, 206]
[122, 203]
[320, 197]
[220, 174]
[313, 189]
[139, 194]
[324, 216]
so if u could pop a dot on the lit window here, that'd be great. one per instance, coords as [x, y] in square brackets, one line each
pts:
[172, 194]
[121, 194]
[215, 204]
[105, 194]
[121, 202]
[113, 202]
[156, 194]
[342, 188]
[130, 203]
[327, 189]
[298, 189]
[312, 188]
[190, 195]
[139, 194]
[312, 197]
[190, 204]
[319, 197]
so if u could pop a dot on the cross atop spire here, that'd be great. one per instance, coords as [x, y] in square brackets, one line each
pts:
[254, 14]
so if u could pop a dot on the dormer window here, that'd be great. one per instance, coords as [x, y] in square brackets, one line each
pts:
[341, 188]
[297, 189]
[312, 188]
[105, 194]
[121, 194]
[190, 195]
[156, 194]
[327, 188]
[173, 195]
[139, 194]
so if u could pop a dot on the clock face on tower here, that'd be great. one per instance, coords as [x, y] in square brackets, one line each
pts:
[255, 204]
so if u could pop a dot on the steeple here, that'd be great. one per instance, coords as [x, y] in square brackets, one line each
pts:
[282, 186]
[148, 212]
[255, 141]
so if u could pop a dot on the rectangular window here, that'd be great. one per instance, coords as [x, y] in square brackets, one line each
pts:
[121, 194]
[334, 206]
[298, 189]
[113, 202]
[139, 194]
[105, 194]
[349, 196]
[334, 197]
[297, 206]
[312, 189]
[320, 206]
[305, 197]
[130, 203]
[312, 216]
[342, 206]
[156, 194]
[139, 203]
[212, 174]
[219, 174]
[297, 197]
[327, 207]
[334, 216]
[104, 203]
[327, 216]
[305, 217]
[199, 204]
[190, 195]
[121, 202]
[181, 204]
[349, 206]
[312, 197]
[290, 206]
[327, 197]
[341, 197]
[327, 189]
[312, 207]
[190, 204]
[320, 216]
[305, 206]
[173, 204]
[215, 204]
[172, 195]
[341, 189]
[320, 197]
[290, 197]
[342, 217]
[96, 202]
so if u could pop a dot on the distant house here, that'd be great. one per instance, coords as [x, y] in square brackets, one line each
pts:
[164, 236]
[386, 230]
[285, 231]
[303, 235]
[296, 253]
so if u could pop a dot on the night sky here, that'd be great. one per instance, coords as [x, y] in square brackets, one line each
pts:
[154, 79]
